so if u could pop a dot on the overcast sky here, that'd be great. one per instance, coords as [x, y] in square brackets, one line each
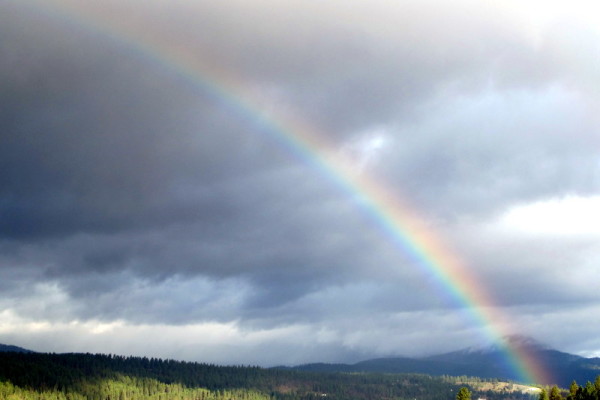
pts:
[144, 211]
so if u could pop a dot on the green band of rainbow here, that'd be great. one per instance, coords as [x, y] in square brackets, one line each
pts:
[396, 219]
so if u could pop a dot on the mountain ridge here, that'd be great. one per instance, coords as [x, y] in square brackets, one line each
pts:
[14, 349]
[483, 362]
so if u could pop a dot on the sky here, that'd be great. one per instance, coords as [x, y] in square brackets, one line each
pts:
[203, 180]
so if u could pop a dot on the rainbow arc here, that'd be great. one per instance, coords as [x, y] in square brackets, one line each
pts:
[393, 216]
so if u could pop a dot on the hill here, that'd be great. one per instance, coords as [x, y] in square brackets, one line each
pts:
[488, 362]
[37, 376]
[14, 349]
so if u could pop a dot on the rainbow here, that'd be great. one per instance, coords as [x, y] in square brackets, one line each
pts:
[399, 222]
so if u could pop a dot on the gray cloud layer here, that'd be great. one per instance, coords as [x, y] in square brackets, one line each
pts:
[129, 193]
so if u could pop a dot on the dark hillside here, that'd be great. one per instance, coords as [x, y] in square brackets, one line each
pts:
[13, 349]
[108, 377]
[488, 363]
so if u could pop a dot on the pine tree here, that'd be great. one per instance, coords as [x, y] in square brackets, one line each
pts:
[573, 391]
[464, 394]
[543, 395]
[555, 393]
[589, 391]
[573, 388]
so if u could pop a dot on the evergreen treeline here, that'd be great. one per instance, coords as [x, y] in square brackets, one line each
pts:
[38, 376]
[125, 388]
[591, 391]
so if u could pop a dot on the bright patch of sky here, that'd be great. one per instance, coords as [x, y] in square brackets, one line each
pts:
[568, 216]
[538, 15]
[364, 151]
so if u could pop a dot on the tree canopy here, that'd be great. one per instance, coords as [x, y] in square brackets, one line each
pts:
[463, 394]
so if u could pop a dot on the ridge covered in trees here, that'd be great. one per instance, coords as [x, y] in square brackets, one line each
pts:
[39, 376]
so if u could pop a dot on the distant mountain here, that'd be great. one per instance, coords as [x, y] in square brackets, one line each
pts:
[13, 349]
[488, 362]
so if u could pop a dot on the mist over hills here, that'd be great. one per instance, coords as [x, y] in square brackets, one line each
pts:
[485, 362]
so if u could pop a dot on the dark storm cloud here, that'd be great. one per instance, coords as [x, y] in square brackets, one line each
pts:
[504, 104]
[92, 144]
[136, 139]
[129, 194]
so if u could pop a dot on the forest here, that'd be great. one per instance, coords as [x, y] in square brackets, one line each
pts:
[39, 376]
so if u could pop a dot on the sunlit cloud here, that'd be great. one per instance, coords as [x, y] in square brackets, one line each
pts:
[568, 216]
